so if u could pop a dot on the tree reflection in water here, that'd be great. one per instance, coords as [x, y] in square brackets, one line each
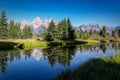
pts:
[61, 55]
[12, 55]
[57, 54]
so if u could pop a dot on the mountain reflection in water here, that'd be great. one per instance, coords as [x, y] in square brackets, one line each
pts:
[37, 54]
[49, 61]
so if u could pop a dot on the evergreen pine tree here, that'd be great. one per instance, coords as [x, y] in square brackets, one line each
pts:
[104, 31]
[11, 29]
[51, 31]
[90, 32]
[14, 30]
[18, 31]
[113, 33]
[60, 30]
[119, 32]
[65, 29]
[3, 26]
[27, 32]
[70, 31]
[73, 34]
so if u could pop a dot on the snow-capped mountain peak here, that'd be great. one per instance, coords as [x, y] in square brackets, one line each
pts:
[97, 27]
[37, 22]
[37, 25]
[23, 23]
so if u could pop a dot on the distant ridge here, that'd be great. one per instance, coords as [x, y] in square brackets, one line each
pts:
[97, 27]
[38, 26]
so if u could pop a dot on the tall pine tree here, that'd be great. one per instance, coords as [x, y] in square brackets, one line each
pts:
[51, 31]
[71, 32]
[65, 29]
[19, 31]
[3, 26]
[12, 32]
[26, 32]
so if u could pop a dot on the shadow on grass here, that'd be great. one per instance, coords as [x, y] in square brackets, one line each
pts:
[76, 42]
[94, 69]
[72, 42]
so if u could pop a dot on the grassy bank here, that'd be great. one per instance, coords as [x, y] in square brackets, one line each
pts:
[115, 40]
[48, 44]
[103, 40]
[108, 40]
[31, 43]
[105, 68]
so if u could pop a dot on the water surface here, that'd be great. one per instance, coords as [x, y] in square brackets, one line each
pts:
[46, 63]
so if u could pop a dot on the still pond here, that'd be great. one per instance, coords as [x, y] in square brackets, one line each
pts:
[47, 63]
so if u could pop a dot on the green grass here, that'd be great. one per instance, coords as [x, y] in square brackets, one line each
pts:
[114, 59]
[103, 40]
[92, 41]
[31, 43]
[115, 40]
[52, 43]
[95, 69]
[108, 40]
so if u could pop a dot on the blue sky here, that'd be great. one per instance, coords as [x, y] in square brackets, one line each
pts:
[80, 11]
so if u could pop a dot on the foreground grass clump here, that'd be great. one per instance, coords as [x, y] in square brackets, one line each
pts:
[95, 69]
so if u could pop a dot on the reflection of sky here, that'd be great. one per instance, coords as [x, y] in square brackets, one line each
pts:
[84, 56]
[81, 57]
[30, 69]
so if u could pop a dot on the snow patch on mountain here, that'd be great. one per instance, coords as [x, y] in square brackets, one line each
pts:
[37, 25]
[23, 23]
[97, 27]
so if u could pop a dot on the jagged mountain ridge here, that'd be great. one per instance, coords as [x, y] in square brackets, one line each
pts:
[38, 26]
[97, 27]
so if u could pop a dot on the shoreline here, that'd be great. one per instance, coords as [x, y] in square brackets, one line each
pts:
[32, 43]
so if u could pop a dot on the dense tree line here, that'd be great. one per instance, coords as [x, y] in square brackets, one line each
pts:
[94, 34]
[63, 30]
[12, 30]
[119, 32]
